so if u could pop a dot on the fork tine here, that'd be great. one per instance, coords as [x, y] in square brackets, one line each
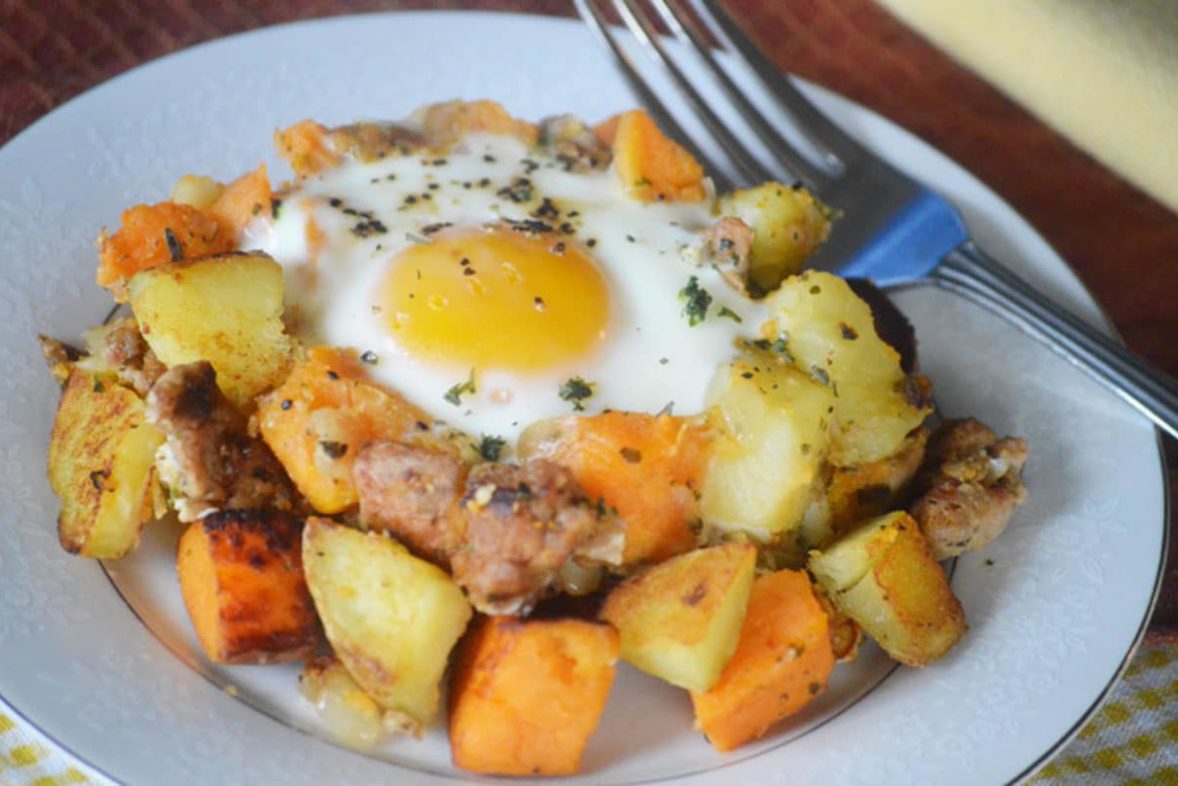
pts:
[593, 17]
[642, 28]
[842, 150]
[688, 33]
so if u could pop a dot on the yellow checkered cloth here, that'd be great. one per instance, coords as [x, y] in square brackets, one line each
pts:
[1132, 741]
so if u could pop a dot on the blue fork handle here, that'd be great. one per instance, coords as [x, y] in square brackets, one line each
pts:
[927, 240]
[911, 245]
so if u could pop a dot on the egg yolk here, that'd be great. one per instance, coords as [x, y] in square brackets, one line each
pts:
[495, 299]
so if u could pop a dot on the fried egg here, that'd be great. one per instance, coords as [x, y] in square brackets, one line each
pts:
[492, 286]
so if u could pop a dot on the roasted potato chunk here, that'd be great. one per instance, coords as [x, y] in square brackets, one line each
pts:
[59, 357]
[788, 226]
[352, 717]
[774, 423]
[782, 661]
[829, 334]
[102, 466]
[391, 618]
[680, 620]
[225, 309]
[526, 694]
[241, 575]
[883, 576]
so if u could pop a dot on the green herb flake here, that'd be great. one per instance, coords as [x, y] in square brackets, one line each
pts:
[491, 448]
[696, 302]
[730, 314]
[576, 390]
[455, 393]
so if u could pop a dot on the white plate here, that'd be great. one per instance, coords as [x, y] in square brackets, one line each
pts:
[1055, 606]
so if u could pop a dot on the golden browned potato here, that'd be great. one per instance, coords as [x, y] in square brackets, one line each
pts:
[225, 309]
[774, 431]
[883, 576]
[241, 576]
[391, 618]
[102, 466]
[680, 620]
[352, 717]
[788, 225]
[845, 635]
[829, 333]
[60, 357]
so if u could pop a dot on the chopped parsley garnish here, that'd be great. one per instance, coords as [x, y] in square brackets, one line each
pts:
[730, 314]
[455, 393]
[696, 302]
[490, 448]
[576, 390]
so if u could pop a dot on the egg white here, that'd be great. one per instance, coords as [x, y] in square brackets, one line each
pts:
[650, 358]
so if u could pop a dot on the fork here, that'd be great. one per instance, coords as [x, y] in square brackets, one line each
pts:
[894, 231]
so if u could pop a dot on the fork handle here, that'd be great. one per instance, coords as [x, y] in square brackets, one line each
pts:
[974, 274]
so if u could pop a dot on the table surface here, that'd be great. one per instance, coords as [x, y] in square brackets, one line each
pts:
[1115, 237]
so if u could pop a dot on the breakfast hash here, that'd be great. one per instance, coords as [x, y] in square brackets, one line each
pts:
[473, 407]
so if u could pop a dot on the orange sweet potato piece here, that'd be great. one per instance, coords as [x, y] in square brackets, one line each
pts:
[317, 421]
[525, 695]
[646, 466]
[783, 660]
[304, 146]
[242, 200]
[241, 575]
[651, 166]
[863, 491]
[447, 122]
[151, 235]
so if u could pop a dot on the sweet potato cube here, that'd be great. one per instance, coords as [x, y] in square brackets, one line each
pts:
[680, 620]
[317, 421]
[783, 660]
[651, 166]
[241, 575]
[242, 201]
[883, 576]
[305, 147]
[526, 695]
[644, 466]
[864, 491]
[152, 235]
